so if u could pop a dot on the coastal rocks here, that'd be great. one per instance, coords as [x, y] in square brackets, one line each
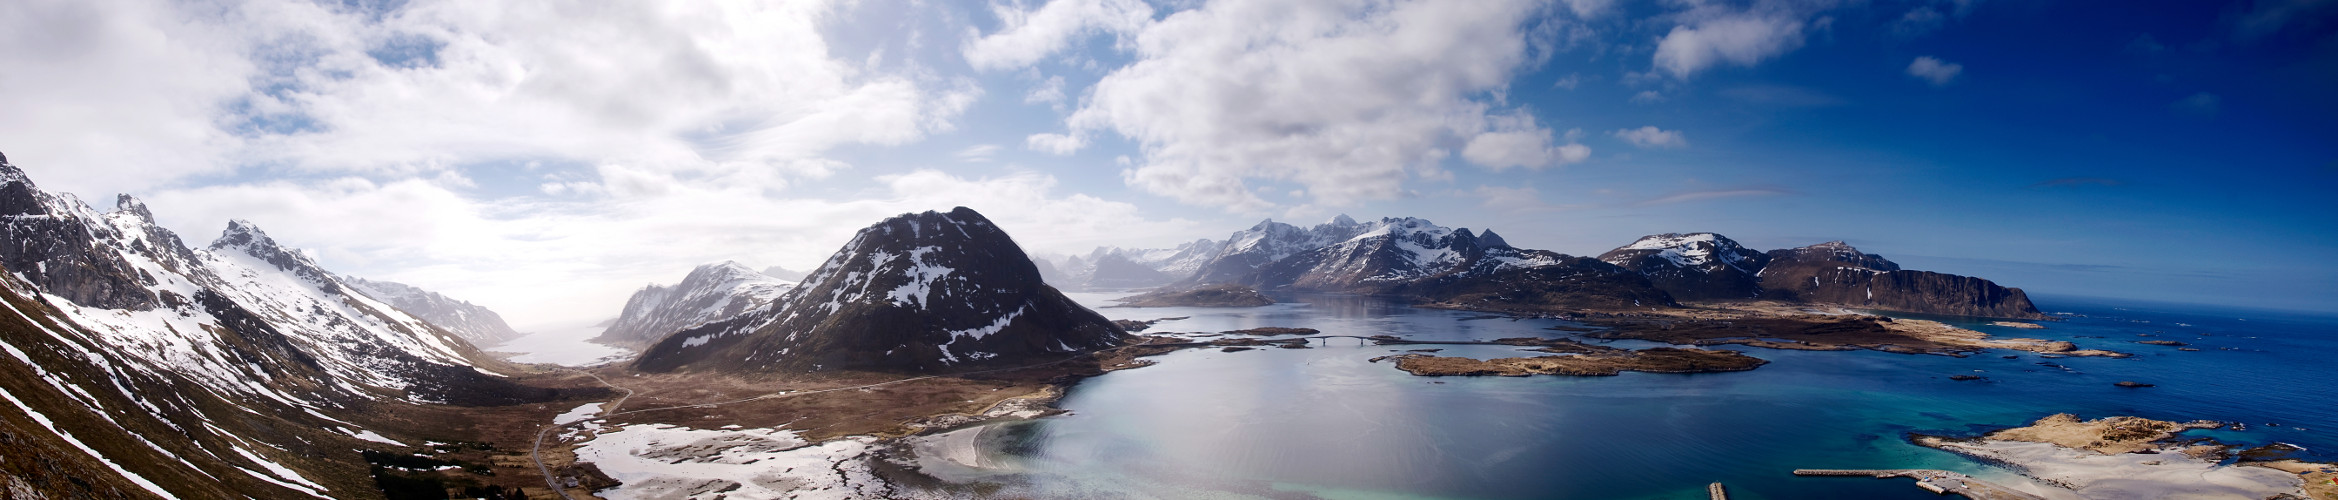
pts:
[1209, 296]
[2018, 324]
[2169, 343]
[1962, 378]
[2133, 384]
[1776, 328]
[2135, 458]
[1602, 361]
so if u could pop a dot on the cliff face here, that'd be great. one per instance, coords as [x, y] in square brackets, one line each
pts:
[918, 293]
[1836, 273]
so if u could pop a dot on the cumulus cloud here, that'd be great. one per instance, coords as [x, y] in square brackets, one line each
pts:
[1935, 71]
[1347, 98]
[1647, 97]
[1650, 137]
[733, 89]
[1712, 37]
[1027, 36]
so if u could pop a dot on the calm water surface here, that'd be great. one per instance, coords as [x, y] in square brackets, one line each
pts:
[1325, 422]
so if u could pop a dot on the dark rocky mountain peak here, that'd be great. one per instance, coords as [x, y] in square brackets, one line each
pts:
[1836, 252]
[1490, 240]
[244, 237]
[917, 292]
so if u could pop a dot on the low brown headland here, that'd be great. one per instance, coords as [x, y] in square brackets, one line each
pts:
[1209, 296]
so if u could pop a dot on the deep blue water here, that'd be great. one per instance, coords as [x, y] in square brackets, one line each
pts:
[1324, 422]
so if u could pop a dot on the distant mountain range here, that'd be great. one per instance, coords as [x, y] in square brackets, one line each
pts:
[473, 322]
[1413, 257]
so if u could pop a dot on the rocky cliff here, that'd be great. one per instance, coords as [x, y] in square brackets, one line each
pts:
[1836, 273]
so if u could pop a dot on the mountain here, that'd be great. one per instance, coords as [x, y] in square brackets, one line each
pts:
[475, 323]
[1694, 266]
[1247, 250]
[917, 292]
[1123, 268]
[782, 274]
[711, 292]
[1836, 273]
[241, 369]
[1382, 253]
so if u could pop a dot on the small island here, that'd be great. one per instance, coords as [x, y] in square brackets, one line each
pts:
[1209, 296]
[1777, 325]
[1583, 360]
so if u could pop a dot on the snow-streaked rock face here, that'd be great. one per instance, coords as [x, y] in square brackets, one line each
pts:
[1694, 266]
[1245, 251]
[917, 292]
[209, 373]
[478, 324]
[710, 293]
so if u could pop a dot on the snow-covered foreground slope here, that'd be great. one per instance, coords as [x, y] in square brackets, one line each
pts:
[230, 371]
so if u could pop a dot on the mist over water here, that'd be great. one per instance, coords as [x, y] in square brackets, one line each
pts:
[1283, 423]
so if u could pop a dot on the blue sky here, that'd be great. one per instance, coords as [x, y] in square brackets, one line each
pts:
[545, 158]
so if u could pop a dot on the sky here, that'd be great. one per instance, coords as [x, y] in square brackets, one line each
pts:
[546, 158]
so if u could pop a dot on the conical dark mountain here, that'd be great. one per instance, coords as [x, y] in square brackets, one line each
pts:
[1836, 273]
[710, 293]
[1694, 266]
[918, 292]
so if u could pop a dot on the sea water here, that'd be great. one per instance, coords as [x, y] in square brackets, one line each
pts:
[1326, 422]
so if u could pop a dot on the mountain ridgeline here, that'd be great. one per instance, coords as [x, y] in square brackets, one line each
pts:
[138, 367]
[475, 323]
[927, 292]
[1413, 258]
[710, 293]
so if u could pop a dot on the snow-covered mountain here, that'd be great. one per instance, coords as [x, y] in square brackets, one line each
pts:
[1694, 266]
[478, 324]
[710, 293]
[1245, 251]
[917, 292]
[231, 371]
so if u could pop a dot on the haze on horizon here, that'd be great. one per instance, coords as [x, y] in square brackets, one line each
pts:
[546, 158]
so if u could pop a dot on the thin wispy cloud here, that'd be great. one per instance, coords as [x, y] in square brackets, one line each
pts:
[1717, 194]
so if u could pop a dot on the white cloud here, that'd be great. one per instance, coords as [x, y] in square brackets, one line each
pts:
[1511, 200]
[1650, 137]
[1049, 91]
[1349, 99]
[1708, 39]
[1027, 36]
[1568, 82]
[723, 89]
[1647, 97]
[978, 153]
[545, 261]
[1935, 71]
[114, 95]
[1058, 144]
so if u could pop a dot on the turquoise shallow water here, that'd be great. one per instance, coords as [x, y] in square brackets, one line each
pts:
[1325, 423]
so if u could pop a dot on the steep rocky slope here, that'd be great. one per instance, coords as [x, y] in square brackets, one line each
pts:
[478, 324]
[918, 292]
[710, 293]
[1836, 273]
[139, 367]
